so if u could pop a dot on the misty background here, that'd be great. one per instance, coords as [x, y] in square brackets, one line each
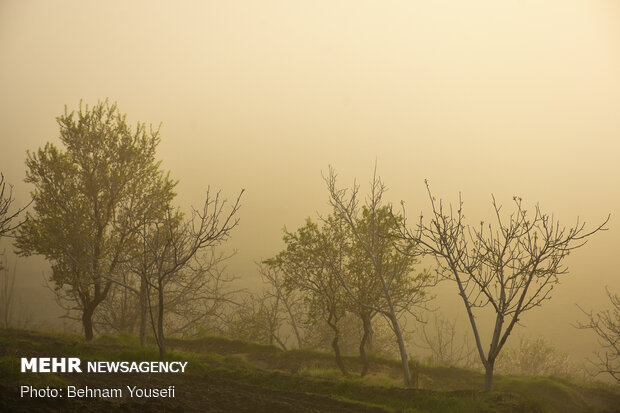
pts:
[480, 97]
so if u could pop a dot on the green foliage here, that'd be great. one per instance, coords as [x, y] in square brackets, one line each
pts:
[376, 227]
[10, 375]
[88, 198]
[334, 272]
[314, 263]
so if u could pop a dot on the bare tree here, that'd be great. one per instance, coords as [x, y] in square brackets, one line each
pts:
[390, 261]
[199, 294]
[138, 265]
[268, 316]
[447, 348]
[194, 294]
[534, 357]
[7, 292]
[258, 318]
[606, 325]
[120, 310]
[7, 217]
[511, 268]
[289, 304]
[173, 245]
[13, 311]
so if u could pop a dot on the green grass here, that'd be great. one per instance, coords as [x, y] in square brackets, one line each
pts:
[10, 375]
[443, 389]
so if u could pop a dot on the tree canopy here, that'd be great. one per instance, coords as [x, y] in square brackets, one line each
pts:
[89, 196]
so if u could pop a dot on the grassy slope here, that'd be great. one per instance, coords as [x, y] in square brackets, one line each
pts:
[442, 389]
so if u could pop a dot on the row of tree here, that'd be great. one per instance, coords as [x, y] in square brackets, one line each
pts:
[103, 215]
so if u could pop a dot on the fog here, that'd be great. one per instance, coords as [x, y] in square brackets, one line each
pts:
[480, 97]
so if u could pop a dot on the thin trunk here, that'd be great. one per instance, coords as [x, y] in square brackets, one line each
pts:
[8, 288]
[414, 366]
[272, 333]
[402, 349]
[144, 292]
[160, 322]
[336, 345]
[338, 356]
[364, 343]
[87, 322]
[143, 309]
[371, 337]
[89, 307]
[294, 324]
[280, 343]
[128, 318]
[273, 322]
[493, 352]
[470, 315]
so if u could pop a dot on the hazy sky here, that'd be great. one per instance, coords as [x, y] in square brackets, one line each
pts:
[509, 97]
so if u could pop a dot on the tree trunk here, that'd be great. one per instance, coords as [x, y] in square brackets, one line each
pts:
[160, 322]
[87, 322]
[414, 367]
[488, 375]
[338, 356]
[364, 343]
[143, 310]
[402, 349]
[336, 346]
[293, 323]
[89, 306]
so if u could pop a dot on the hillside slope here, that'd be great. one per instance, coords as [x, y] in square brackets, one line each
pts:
[234, 376]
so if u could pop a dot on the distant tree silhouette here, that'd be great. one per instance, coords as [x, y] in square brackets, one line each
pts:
[269, 315]
[446, 348]
[606, 325]
[534, 357]
[7, 225]
[7, 217]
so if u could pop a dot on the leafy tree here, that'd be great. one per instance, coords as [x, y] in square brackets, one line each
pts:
[314, 262]
[511, 268]
[381, 258]
[89, 197]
